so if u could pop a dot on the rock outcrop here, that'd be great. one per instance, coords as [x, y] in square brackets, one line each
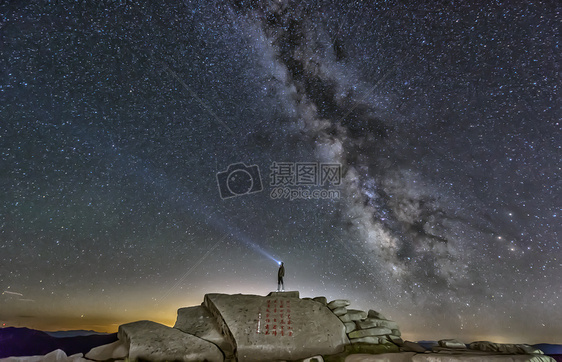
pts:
[367, 327]
[150, 341]
[283, 327]
[199, 322]
[276, 327]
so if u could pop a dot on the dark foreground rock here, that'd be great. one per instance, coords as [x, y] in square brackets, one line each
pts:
[278, 327]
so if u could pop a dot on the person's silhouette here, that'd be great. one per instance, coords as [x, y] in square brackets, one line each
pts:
[280, 275]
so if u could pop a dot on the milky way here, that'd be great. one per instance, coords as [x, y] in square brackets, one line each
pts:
[117, 117]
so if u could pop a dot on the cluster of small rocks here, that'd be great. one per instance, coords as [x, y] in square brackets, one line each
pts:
[366, 327]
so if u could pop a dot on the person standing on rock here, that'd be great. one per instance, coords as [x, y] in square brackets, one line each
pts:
[280, 275]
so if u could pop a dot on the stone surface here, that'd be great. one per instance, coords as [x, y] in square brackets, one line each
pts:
[353, 315]
[367, 339]
[253, 324]
[503, 348]
[409, 356]
[57, 355]
[345, 318]
[350, 327]
[410, 346]
[115, 350]
[479, 358]
[375, 315]
[384, 357]
[201, 323]
[290, 294]
[356, 348]
[356, 314]
[395, 339]
[372, 322]
[378, 331]
[340, 311]
[314, 359]
[451, 343]
[396, 332]
[338, 303]
[321, 300]
[156, 342]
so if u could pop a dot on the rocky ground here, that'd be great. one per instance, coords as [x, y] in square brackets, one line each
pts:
[277, 327]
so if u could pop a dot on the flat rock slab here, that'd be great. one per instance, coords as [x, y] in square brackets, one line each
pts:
[503, 348]
[452, 343]
[290, 294]
[372, 323]
[199, 322]
[276, 328]
[368, 339]
[152, 341]
[377, 331]
[338, 303]
[353, 315]
[340, 311]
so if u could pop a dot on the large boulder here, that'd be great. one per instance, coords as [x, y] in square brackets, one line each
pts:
[199, 322]
[152, 341]
[276, 328]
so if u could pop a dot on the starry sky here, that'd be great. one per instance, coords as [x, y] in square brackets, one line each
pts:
[154, 152]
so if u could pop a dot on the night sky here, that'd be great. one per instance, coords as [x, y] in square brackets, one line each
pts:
[119, 121]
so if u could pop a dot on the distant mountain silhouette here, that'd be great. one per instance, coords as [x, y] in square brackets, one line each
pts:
[29, 342]
[74, 333]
